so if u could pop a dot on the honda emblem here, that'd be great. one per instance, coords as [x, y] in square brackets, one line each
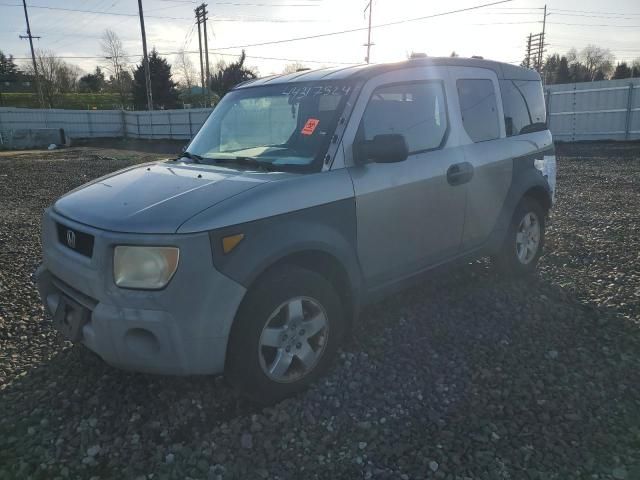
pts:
[71, 239]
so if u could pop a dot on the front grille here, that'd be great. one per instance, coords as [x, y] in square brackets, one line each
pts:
[75, 240]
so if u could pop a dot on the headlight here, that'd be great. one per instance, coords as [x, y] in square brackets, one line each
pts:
[148, 268]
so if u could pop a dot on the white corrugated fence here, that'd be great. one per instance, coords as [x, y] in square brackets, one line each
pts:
[165, 124]
[605, 110]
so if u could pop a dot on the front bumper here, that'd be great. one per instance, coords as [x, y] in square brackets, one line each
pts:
[182, 329]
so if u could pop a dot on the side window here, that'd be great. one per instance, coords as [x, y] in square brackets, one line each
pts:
[415, 110]
[479, 109]
[534, 95]
[524, 108]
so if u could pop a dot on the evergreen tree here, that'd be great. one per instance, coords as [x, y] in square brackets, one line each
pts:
[622, 71]
[562, 73]
[230, 75]
[550, 67]
[92, 82]
[8, 69]
[163, 88]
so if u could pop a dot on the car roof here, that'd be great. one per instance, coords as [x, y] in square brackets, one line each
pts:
[365, 71]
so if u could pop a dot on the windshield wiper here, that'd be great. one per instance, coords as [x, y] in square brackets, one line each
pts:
[245, 161]
[191, 156]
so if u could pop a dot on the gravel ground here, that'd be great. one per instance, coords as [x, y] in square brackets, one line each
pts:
[468, 376]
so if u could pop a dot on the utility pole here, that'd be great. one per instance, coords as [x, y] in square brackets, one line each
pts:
[534, 57]
[369, 44]
[206, 53]
[544, 24]
[535, 50]
[145, 60]
[33, 55]
[201, 19]
[527, 58]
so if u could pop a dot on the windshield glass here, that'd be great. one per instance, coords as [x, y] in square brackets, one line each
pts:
[285, 125]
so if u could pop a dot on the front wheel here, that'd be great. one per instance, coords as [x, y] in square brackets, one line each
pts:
[286, 334]
[523, 243]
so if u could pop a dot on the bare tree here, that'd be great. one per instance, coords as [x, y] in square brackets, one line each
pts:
[56, 76]
[597, 59]
[294, 67]
[186, 70]
[116, 63]
[67, 77]
[572, 56]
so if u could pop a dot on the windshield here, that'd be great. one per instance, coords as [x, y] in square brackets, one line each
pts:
[285, 125]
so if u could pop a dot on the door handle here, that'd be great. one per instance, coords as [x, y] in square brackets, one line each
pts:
[459, 173]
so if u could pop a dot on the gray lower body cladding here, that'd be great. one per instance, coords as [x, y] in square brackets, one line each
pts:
[328, 229]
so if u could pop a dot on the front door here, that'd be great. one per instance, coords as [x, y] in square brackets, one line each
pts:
[408, 214]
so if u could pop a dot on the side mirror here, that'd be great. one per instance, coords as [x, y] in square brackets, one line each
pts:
[384, 148]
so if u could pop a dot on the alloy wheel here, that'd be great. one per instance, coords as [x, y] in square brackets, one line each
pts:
[528, 238]
[293, 339]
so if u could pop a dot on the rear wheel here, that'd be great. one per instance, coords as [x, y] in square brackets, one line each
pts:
[286, 334]
[524, 241]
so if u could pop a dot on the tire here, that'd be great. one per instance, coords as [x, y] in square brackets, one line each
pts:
[511, 260]
[267, 360]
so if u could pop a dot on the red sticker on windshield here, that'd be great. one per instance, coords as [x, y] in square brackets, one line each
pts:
[310, 126]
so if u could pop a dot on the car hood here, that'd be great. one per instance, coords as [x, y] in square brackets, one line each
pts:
[156, 198]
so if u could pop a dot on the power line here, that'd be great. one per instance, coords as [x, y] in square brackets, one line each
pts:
[295, 39]
[83, 22]
[215, 52]
[234, 4]
[240, 4]
[119, 14]
[562, 45]
[361, 29]
[594, 25]
[594, 11]
[518, 8]
[592, 16]
[262, 19]
[187, 37]
[321, 62]
[321, 35]
[528, 22]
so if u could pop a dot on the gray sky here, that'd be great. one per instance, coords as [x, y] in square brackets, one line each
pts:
[496, 32]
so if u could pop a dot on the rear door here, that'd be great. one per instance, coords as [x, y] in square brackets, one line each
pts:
[408, 215]
[485, 148]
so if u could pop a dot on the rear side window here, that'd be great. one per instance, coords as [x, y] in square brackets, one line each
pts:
[415, 110]
[524, 107]
[479, 109]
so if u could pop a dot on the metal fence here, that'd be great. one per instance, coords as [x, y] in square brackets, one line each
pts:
[165, 124]
[605, 110]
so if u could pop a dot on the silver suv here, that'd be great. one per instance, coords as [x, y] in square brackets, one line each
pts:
[303, 198]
